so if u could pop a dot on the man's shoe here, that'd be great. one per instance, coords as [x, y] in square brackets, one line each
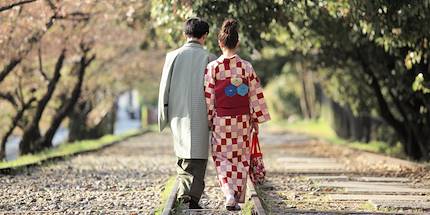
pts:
[233, 207]
[184, 199]
[194, 205]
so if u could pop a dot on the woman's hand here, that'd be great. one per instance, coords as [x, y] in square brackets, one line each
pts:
[255, 127]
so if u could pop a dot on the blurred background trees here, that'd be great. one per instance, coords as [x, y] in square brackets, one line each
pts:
[368, 61]
[64, 64]
[363, 66]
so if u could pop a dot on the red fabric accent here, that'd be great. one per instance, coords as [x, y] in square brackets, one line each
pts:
[228, 135]
[207, 95]
[245, 163]
[228, 122]
[239, 176]
[257, 171]
[226, 64]
[235, 154]
[229, 174]
[260, 96]
[259, 113]
[234, 168]
[217, 163]
[230, 105]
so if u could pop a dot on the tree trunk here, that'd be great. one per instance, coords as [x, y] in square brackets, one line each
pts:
[78, 121]
[413, 134]
[31, 138]
[67, 107]
[341, 122]
[15, 121]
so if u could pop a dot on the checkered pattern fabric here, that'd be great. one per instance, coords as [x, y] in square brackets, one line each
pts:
[231, 134]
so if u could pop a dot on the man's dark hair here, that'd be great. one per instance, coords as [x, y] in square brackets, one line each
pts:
[196, 27]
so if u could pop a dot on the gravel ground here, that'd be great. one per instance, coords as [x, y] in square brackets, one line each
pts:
[127, 178]
[287, 193]
[123, 179]
[213, 199]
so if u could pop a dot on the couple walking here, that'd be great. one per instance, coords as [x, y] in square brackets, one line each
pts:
[211, 102]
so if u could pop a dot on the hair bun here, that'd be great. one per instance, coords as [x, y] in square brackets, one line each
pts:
[228, 35]
[230, 25]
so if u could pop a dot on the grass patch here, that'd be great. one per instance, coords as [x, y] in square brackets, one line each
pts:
[322, 130]
[315, 128]
[65, 149]
[367, 206]
[164, 196]
[247, 208]
[265, 202]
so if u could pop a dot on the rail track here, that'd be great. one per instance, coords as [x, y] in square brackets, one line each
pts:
[252, 198]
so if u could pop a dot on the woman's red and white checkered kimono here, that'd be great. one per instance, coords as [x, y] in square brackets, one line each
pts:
[234, 99]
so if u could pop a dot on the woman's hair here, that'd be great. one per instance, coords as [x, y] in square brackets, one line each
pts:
[228, 35]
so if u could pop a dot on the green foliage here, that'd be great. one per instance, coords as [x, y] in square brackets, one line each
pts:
[282, 96]
[168, 17]
[65, 149]
[370, 56]
[418, 84]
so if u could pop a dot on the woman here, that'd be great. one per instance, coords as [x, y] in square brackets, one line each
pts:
[236, 105]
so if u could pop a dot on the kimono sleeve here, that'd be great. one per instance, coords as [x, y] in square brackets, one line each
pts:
[209, 86]
[258, 106]
[164, 90]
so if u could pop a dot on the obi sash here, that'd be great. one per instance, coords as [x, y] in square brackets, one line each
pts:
[231, 97]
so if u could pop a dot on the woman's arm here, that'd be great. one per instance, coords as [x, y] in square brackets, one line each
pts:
[258, 107]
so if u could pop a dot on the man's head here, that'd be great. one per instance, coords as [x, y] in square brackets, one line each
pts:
[196, 28]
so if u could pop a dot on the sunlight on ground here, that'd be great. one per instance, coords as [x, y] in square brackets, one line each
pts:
[321, 129]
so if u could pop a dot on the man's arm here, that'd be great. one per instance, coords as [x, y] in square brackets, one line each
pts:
[212, 57]
[163, 95]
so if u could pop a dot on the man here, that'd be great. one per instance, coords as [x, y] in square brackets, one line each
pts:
[181, 105]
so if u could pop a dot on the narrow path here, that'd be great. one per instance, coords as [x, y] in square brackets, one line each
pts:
[212, 200]
[304, 177]
[311, 177]
[123, 179]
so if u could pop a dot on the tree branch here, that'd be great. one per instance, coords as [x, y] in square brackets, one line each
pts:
[8, 7]
[8, 97]
[67, 107]
[15, 122]
[42, 72]
[51, 86]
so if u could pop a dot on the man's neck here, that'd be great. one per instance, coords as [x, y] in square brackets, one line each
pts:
[192, 39]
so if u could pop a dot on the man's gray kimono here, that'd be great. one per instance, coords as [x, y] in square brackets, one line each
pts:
[182, 106]
[181, 101]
